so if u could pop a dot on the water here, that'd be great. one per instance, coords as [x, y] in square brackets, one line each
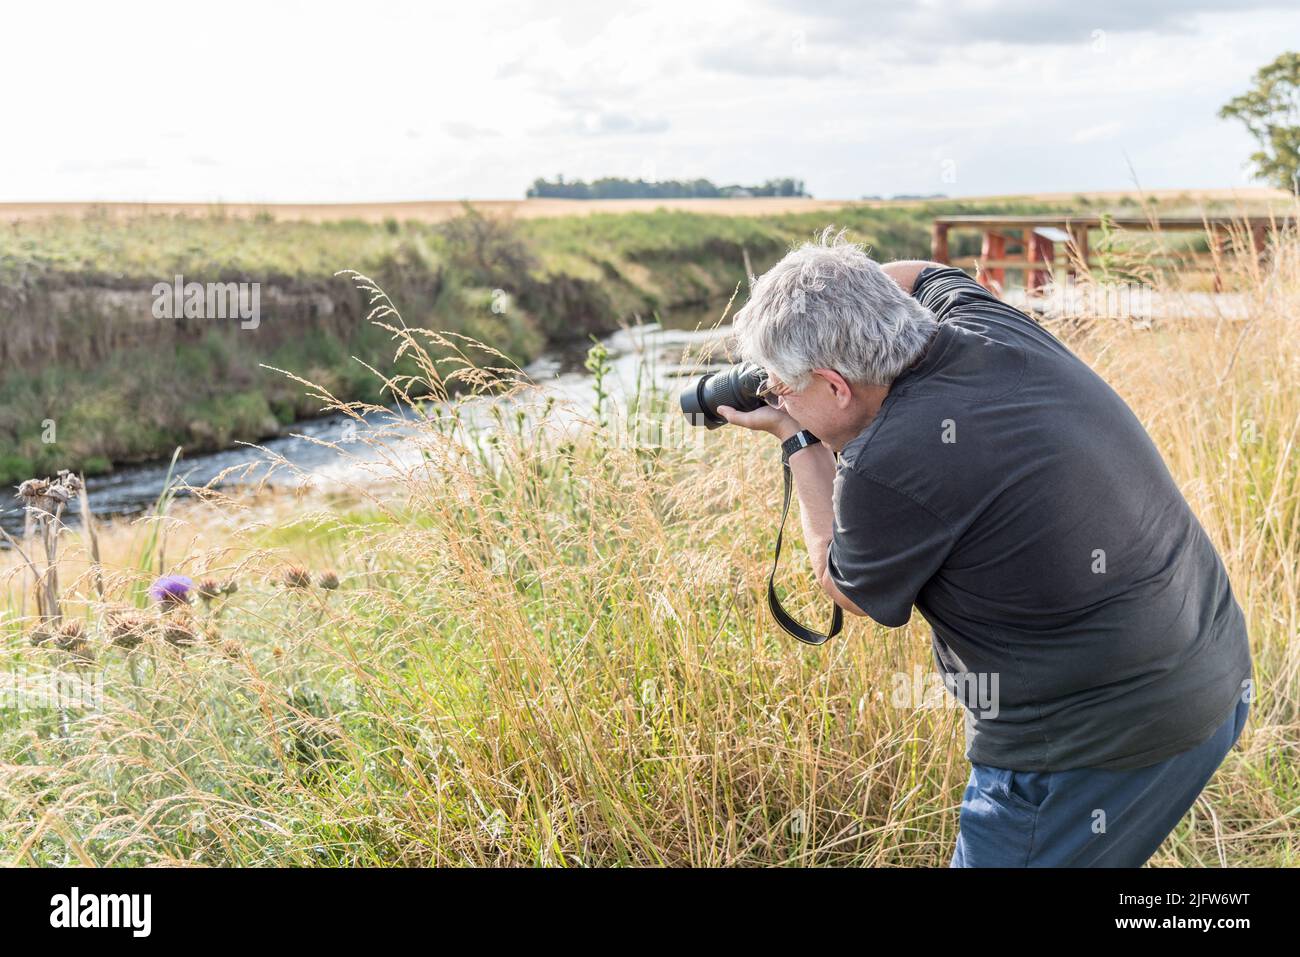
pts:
[649, 351]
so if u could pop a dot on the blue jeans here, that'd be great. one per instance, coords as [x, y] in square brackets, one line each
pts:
[1084, 817]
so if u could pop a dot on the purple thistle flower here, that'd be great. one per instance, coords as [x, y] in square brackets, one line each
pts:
[171, 589]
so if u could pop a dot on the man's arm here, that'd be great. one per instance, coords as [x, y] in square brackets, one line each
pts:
[813, 468]
[905, 271]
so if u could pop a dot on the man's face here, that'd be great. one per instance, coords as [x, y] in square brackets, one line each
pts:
[813, 407]
[828, 406]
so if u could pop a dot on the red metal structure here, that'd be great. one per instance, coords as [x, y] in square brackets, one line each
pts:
[1041, 237]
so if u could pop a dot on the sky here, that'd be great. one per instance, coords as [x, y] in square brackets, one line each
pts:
[377, 101]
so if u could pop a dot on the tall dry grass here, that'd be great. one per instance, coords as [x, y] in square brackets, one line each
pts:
[551, 648]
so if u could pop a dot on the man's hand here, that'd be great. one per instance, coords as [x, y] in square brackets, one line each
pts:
[766, 419]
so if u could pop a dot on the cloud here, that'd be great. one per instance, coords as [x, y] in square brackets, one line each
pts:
[577, 91]
[127, 164]
[1093, 134]
[866, 97]
[773, 56]
[468, 131]
[604, 123]
[1020, 22]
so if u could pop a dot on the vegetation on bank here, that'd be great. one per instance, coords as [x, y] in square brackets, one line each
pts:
[85, 362]
[553, 649]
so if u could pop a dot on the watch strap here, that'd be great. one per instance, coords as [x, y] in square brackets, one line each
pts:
[800, 440]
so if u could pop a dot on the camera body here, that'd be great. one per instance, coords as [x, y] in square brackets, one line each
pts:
[736, 386]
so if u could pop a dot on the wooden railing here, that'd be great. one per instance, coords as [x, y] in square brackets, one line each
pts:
[1043, 237]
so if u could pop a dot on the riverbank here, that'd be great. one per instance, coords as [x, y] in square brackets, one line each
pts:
[94, 380]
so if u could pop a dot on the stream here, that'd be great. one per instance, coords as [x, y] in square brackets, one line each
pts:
[649, 352]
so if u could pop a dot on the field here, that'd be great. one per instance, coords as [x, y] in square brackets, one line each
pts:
[554, 649]
[438, 211]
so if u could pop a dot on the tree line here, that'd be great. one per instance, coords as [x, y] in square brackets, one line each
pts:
[613, 187]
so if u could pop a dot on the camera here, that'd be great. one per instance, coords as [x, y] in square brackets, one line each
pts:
[736, 386]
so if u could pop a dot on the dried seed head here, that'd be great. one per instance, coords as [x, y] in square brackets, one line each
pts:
[82, 653]
[208, 589]
[70, 481]
[180, 632]
[70, 632]
[232, 649]
[46, 495]
[229, 586]
[328, 580]
[35, 494]
[33, 489]
[70, 636]
[40, 635]
[295, 576]
[127, 630]
[68, 486]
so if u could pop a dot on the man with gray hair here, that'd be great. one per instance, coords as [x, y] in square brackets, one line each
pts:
[952, 455]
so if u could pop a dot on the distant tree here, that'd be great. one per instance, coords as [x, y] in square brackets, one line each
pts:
[1271, 111]
[611, 187]
[780, 187]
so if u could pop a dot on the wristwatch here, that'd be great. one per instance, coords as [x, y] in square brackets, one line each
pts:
[800, 440]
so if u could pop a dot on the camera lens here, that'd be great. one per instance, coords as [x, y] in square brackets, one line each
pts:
[736, 386]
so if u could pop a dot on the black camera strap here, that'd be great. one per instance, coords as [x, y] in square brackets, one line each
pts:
[783, 617]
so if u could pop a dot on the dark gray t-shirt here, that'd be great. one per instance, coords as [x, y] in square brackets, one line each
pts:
[1079, 611]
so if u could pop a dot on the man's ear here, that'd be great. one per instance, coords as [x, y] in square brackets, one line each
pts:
[840, 387]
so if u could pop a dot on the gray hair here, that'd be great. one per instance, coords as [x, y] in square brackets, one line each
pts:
[830, 306]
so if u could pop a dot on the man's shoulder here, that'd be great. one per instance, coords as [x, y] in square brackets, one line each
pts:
[897, 435]
[952, 294]
[887, 465]
[861, 474]
[940, 288]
